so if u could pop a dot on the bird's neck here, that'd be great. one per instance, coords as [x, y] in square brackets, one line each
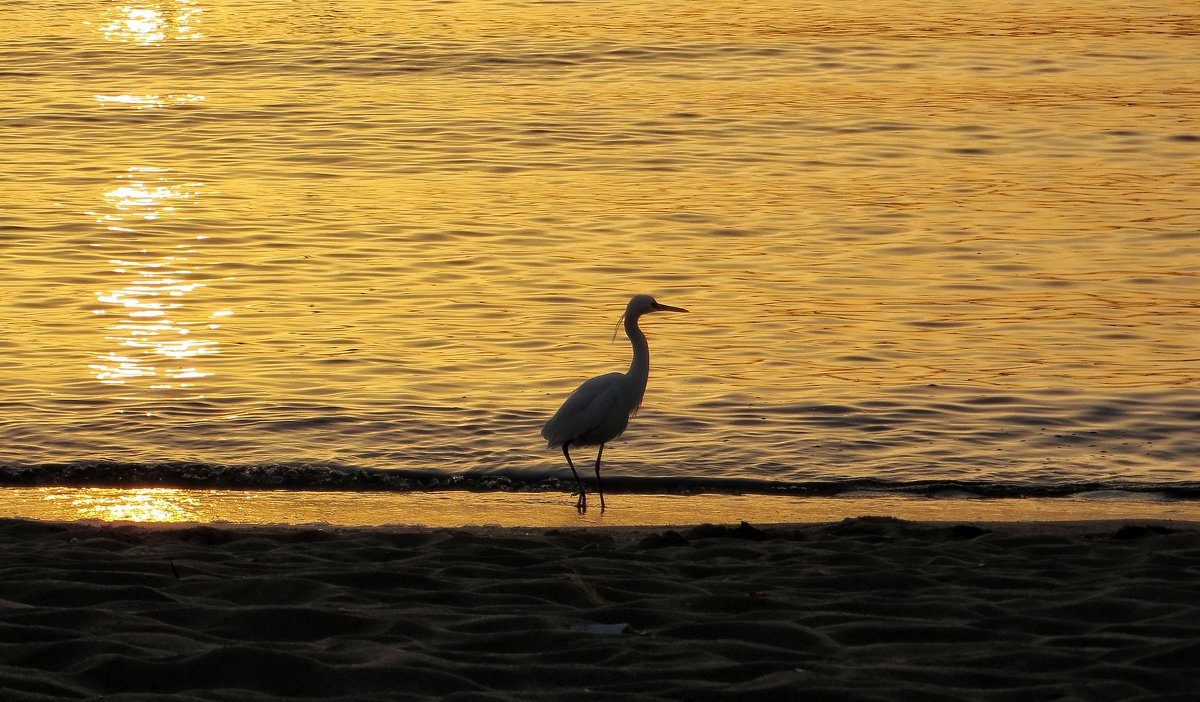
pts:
[639, 367]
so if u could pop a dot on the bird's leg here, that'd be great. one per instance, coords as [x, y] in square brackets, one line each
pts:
[599, 487]
[581, 503]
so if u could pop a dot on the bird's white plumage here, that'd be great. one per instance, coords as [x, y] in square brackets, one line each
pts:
[599, 409]
[596, 412]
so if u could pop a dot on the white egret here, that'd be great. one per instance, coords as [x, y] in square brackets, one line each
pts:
[599, 410]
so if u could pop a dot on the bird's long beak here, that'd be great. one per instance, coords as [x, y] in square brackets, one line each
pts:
[659, 307]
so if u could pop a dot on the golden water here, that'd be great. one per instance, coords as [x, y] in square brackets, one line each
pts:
[917, 239]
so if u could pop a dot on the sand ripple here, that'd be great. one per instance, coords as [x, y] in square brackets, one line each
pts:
[869, 608]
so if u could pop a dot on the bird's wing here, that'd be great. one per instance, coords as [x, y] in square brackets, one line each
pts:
[598, 402]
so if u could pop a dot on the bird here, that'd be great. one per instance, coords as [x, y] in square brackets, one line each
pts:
[599, 409]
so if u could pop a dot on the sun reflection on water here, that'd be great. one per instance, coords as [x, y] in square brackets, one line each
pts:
[153, 339]
[146, 23]
[148, 102]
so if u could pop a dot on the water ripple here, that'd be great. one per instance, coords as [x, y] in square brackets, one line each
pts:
[918, 245]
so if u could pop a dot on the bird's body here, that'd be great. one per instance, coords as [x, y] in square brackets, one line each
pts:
[599, 409]
[597, 412]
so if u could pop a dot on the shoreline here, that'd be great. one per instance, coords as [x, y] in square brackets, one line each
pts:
[550, 509]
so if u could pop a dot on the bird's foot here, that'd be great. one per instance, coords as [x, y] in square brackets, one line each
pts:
[581, 503]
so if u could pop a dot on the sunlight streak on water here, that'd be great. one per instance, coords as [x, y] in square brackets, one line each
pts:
[143, 102]
[148, 23]
[149, 308]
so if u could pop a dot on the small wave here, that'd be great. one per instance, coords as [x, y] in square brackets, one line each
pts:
[319, 476]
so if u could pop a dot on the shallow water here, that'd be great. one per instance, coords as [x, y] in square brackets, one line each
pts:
[917, 243]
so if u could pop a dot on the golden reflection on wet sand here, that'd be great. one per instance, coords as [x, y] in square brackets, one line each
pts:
[546, 509]
[126, 505]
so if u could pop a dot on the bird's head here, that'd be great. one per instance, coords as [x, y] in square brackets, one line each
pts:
[640, 305]
[644, 304]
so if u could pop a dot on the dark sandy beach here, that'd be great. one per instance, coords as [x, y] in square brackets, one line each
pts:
[871, 608]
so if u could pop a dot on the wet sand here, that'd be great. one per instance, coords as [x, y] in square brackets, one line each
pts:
[868, 608]
[552, 510]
